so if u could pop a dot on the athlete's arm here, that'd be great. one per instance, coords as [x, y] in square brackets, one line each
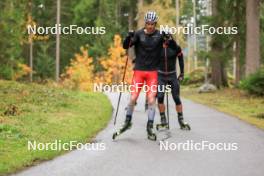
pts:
[130, 40]
[181, 62]
[172, 44]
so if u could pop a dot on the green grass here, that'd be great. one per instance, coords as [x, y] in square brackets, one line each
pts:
[231, 101]
[45, 114]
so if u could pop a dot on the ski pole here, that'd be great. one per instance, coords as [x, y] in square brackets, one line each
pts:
[123, 79]
[167, 97]
[146, 103]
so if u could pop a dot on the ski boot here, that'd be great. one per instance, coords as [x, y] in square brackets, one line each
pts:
[183, 125]
[151, 135]
[163, 123]
[127, 125]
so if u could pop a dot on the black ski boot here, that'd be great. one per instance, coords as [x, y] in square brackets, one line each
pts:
[183, 125]
[127, 125]
[151, 135]
[163, 123]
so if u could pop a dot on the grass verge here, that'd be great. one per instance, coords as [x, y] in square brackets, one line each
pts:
[231, 101]
[32, 112]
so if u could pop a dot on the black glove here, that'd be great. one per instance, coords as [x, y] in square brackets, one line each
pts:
[131, 34]
[166, 36]
[181, 77]
[127, 41]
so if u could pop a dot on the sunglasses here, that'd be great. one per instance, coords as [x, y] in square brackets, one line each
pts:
[150, 24]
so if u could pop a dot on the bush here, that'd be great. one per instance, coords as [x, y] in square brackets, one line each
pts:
[16, 72]
[254, 83]
[6, 72]
[194, 77]
[79, 75]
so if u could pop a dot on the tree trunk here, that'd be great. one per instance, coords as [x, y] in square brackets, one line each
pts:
[117, 19]
[252, 36]
[57, 76]
[140, 14]
[237, 44]
[130, 19]
[219, 76]
[237, 55]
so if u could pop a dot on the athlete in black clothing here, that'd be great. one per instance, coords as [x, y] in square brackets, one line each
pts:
[147, 49]
[167, 76]
[148, 44]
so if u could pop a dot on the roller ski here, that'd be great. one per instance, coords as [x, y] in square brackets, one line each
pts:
[183, 125]
[151, 135]
[163, 124]
[127, 125]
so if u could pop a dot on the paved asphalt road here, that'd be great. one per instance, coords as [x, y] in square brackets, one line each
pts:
[132, 154]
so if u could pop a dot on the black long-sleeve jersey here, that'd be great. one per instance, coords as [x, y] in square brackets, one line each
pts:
[148, 48]
[173, 51]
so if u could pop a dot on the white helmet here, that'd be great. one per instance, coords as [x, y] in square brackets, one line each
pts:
[151, 16]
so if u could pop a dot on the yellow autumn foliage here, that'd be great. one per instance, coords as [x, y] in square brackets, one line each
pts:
[79, 75]
[22, 70]
[114, 65]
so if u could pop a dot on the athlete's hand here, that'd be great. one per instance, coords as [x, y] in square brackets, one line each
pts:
[131, 34]
[181, 77]
[166, 36]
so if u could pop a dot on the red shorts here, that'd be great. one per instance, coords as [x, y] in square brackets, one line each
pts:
[150, 78]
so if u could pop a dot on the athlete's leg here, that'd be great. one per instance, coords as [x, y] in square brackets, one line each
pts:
[137, 84]
[175, 91]
[152, 84]
[178, 104]
[136, 87]
[160, 96]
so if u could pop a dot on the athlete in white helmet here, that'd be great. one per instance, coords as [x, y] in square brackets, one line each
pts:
[148, 43]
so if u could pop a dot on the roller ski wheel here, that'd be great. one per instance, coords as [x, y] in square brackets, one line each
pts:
[151, 135]
[186, 126]
[162, 126]
[114, 135]
[183, 125]
[125, 127]
[163, 123]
